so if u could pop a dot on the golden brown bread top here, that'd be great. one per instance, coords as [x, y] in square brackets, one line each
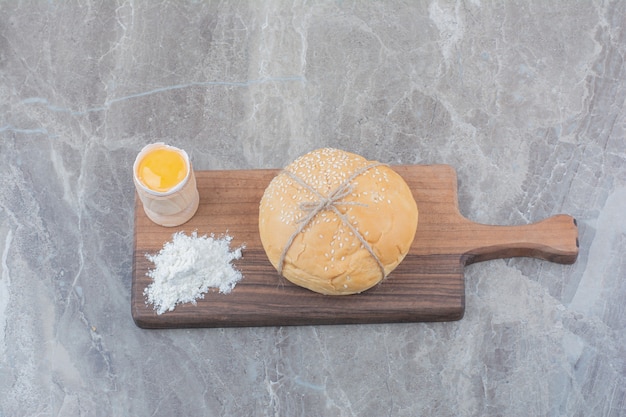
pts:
[351, 238]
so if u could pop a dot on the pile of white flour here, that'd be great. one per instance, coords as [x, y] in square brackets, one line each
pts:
[187, 266]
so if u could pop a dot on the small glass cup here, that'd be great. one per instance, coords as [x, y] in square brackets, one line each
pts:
[175, 205]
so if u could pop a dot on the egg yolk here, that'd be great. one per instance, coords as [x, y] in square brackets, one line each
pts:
[161, 169]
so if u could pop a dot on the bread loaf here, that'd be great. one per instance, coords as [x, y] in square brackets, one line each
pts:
[336, 223]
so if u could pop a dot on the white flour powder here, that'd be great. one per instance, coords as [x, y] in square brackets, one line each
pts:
[187, 266]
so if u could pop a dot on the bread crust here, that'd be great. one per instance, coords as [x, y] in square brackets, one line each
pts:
[328, 256]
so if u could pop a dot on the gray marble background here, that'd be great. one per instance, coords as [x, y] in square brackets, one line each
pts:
[525, 99]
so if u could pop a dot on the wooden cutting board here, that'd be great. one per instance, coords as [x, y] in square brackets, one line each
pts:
[427, 286]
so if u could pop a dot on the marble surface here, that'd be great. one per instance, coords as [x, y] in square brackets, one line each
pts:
[525, 99]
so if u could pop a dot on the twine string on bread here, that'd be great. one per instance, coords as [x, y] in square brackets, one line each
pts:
[330, 202]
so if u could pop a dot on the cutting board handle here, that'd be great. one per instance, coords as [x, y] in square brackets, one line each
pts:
[554, 239]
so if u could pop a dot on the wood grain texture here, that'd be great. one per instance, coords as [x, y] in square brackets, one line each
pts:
[427, 286]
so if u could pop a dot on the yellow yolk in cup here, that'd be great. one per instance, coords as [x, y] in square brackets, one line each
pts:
[162, 169]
